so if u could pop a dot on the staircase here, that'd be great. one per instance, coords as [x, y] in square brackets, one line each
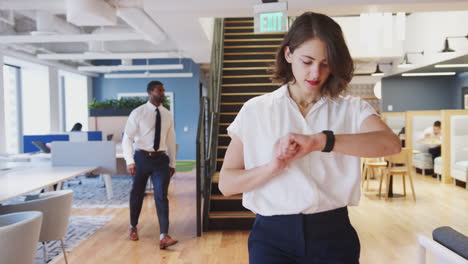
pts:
[247, 57]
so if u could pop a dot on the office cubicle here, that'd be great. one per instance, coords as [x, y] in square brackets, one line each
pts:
[454, 145]
[416, 122]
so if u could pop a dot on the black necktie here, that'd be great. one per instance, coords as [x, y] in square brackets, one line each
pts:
[157, 131]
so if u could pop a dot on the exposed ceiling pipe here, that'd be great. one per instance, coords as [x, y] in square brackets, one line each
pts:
[142, 23]
[70, 38]
[108, 56]
[118, 68]
[50, 5]
[31, 58]
[90, 13]
[50, 24]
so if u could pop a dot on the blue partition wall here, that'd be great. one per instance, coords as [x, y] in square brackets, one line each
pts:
[186, 98]
[29, 147]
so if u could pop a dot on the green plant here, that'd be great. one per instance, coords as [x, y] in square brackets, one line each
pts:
[125, 102]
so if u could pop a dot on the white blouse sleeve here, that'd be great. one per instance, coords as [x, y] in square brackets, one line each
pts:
[238, 127]
[365, 110]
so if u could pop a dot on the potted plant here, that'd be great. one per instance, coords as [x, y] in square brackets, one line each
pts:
[118, 107]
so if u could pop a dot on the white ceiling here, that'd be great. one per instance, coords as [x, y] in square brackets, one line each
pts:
[180, 22]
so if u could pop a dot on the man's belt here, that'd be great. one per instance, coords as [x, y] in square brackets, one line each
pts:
[152, 153]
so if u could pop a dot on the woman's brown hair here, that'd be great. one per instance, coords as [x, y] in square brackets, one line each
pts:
[309, 26]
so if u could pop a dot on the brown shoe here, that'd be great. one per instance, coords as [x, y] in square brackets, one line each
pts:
[166, 242]
[133, 235]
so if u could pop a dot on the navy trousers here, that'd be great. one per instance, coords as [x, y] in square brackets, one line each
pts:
[325, 238]
[158, 168]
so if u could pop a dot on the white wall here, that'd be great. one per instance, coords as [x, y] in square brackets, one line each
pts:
[427, 31]
[2, 110]
[376, 45]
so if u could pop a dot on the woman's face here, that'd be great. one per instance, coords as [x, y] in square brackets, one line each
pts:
[309, 65]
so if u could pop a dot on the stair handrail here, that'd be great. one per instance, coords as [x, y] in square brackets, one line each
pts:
[214, 95]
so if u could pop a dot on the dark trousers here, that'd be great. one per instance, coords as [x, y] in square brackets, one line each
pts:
[326, 237]
[158, 168]
[435, 152]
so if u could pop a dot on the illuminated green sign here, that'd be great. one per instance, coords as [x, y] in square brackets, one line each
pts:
[272, 22]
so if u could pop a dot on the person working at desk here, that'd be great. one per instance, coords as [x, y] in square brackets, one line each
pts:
[152, 128]
[77, 127]
[434, 133]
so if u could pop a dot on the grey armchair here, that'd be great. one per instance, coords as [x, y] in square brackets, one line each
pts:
[56, 209]
[19, 234]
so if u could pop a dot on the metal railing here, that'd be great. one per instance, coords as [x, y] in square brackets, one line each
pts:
[207, 134]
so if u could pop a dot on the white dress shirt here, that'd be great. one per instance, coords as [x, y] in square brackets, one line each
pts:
[140, 131]
[315, 183]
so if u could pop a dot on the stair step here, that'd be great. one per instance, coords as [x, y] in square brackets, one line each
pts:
[232, 214]
[245, 68]
[247, 61]
[250, 84]
[251, 47]
[242, 27]
[215, 178]
[231, 104]
[254, 34]
[238, 94]
[247, 76]
[222, 197]
[253, 40]
[238, 21]
[251, 53]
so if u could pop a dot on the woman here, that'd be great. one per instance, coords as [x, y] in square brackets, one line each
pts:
[294, 153]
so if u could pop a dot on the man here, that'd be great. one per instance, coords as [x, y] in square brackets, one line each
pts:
[434, 132]
[151, 127]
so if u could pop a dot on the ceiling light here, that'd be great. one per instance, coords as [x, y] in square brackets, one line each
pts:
[108, 56]
[148, 75]
[131, 68]
[412, 74]
[451, 65]
[406, 63]
[446, 43]
[377, 72]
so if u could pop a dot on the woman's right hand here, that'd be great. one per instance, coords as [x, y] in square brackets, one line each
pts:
[284, 151]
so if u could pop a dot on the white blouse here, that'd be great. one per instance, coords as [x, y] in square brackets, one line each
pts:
[318, 181]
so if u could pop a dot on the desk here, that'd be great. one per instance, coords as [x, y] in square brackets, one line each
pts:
[17, 178]
[431, 142]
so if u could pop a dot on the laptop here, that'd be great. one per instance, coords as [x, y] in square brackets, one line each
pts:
[40, 145]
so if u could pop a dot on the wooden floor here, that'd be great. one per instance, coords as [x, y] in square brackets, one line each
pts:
[387, 230]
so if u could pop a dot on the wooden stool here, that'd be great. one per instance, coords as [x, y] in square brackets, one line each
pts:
[401, 158]
[370, 168]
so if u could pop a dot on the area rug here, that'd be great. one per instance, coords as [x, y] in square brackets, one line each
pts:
[79, 229]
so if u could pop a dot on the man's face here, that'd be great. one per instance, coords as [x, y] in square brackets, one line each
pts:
[157, 94]
[436, 130]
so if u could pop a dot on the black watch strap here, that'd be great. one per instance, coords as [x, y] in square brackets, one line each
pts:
[330, 144]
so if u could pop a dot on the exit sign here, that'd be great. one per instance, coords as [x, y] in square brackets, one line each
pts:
[271, 17]
[273, 22]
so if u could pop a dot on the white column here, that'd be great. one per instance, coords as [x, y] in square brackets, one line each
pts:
[2, 110]
[54, 100]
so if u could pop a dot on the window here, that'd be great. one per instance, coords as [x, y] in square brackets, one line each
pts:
[11, 82]
[75, 94]
[35, 95]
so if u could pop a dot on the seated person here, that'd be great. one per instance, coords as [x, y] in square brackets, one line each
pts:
[434, 132]
[77, 127]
